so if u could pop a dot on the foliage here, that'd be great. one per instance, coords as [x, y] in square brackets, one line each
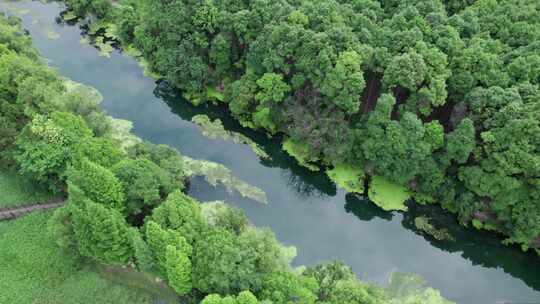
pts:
[178, 267]
[180, 213]
[215, 260]
[409, 91]
[101, 233]
[159, 240]
[328, 275]
[47, 146]
[220, 214]
[285, 287]
[245, 297]
[98, 184]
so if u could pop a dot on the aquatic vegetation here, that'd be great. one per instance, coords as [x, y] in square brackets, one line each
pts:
[300, 151]
[69, 16]
[388, 195]
[410, 288]
[211, 129]
[131, 51]
[84, 40]
[51, 34]
[277, 78]
[105, 47]
[423, 224]
[88, 93]
[216, 130]
[121, 133]
[217, 174]
[347, 177]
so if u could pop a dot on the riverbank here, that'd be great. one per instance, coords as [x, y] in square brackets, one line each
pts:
[125, 208]
[34, 267]
[403, 149]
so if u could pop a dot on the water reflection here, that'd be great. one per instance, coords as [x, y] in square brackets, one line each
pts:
[479, 247]
[304, 182]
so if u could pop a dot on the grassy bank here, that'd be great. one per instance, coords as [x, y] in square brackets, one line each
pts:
[16, 190]
[34, 270]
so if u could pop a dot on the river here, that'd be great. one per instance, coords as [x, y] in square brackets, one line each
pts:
[305, 209]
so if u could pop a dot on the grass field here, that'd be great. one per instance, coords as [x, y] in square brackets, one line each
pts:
[35, 271]
[15, 190]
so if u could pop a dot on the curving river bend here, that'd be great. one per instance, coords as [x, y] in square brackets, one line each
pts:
[305, 209]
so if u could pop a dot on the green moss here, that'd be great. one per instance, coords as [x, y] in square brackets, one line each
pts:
[347, 177]
[16, 190]
[215, 174]
[216, 130]
[387, 195]
[422, 223]
[301, 152]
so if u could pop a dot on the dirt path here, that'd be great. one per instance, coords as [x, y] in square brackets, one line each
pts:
[13, 213]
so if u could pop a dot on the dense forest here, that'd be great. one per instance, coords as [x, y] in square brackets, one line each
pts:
[439, 97]
[125, 204]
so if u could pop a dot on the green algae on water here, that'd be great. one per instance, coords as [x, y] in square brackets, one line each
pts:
[347, 177]
[105, 47]
[300, 151]
[388, 195]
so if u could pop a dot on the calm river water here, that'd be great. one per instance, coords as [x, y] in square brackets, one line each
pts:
[305, 209]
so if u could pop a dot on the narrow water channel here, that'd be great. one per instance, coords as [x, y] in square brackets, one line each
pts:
[305, 209]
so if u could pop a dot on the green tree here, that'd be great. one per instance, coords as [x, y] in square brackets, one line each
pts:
[215, 259]
[285, 287]
[461, 142]
[328, 275]
[178, 268]
[180, 213]
[143, 183]
[98, 184]
[102, 234]
[272, 88]
[345, 83]
[47, 146]
[158, 239]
